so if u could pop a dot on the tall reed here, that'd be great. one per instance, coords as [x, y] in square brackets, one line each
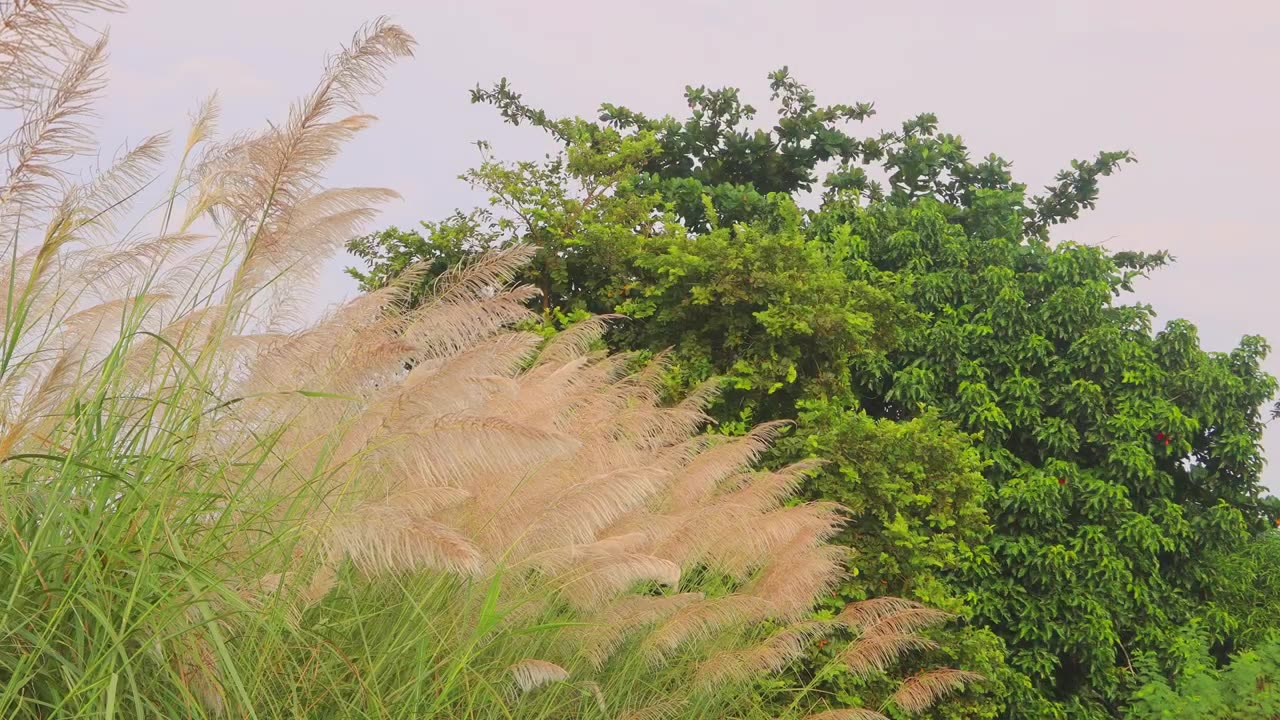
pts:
[208, 508]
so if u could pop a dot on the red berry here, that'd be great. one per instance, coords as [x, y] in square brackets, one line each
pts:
[1160, 436]
[1062, 481]
[1166, 442]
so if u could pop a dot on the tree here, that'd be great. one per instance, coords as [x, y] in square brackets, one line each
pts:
[775, 319]
[1123, 464]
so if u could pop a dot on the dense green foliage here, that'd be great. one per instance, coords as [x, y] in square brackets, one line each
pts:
[1250, 590]
[775, 319]
[1014, 440]
[1247, 689]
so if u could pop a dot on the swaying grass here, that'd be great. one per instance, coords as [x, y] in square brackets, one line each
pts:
[207, 510]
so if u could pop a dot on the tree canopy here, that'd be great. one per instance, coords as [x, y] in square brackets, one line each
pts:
[1014, 437]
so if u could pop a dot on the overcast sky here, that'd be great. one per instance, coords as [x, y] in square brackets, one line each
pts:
[1190, 87]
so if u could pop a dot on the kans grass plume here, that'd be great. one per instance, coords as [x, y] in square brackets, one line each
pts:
[209, 508]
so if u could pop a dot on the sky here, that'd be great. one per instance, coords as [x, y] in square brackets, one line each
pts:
[1190, 87]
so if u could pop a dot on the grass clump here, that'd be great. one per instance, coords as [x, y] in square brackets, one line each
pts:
[208, 508]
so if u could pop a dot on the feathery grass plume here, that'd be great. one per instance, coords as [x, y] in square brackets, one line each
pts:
[859, 615]
[36, 39]
[874, 654]
[922, 690]
[613, 625]
[211, 509]
[530, 674]
[906, 621]
[769, 656]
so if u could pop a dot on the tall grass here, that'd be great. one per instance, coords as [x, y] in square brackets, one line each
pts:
[209, 509]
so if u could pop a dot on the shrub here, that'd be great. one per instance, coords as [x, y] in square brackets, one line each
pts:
[1246, 689]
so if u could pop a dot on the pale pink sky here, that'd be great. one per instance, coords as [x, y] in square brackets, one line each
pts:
[1190, 87]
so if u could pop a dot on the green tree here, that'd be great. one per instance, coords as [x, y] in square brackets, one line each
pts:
[1124, 462]
[1246, 689]
[768, 311]
[1120, 465]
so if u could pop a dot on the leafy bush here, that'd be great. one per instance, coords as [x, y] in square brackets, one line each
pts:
[1246, 689]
